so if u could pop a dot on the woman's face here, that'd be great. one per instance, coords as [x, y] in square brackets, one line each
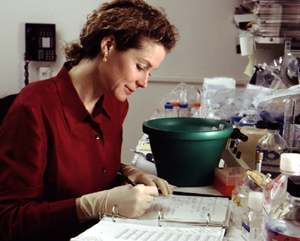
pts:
[125, 71]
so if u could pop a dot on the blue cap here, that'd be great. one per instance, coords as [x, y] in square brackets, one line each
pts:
[183, 105]
[236, 119]
[168, 105]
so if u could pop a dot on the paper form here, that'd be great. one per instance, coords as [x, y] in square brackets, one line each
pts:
[189, 209]
[113, 231]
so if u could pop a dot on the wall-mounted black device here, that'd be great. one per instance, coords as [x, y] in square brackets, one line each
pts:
[39, 42]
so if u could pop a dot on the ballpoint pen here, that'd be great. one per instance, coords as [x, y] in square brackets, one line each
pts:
[125, 178]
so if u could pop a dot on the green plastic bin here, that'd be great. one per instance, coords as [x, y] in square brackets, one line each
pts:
[187, 150]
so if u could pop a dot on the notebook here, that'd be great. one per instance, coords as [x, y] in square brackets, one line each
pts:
[187, 217]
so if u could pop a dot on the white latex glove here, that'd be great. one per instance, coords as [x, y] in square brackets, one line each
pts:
[138, 176]
[130, 201]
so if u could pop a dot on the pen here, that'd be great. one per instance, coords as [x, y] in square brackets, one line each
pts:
[124, 178]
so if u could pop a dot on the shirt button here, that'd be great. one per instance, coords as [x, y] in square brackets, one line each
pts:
[104, 171]
[97, 137]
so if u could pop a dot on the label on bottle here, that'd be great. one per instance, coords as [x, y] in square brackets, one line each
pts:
[270, 162]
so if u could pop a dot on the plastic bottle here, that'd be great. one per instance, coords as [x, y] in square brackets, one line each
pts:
[235, 120]
[195, 104]
[272, 145]
[175, 104]
[253, 182]
[195, 109]
[250, 119]
[170, 111]
[252, 221]
[184, 109]
[283, 222]
[239, 205]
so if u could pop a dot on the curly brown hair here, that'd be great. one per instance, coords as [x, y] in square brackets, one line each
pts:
[128, 21]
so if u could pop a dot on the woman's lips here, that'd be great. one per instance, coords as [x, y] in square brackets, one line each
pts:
[129, 90]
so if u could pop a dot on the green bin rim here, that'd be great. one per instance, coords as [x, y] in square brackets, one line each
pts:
[185, 128]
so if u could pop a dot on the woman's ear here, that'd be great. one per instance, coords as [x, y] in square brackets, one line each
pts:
[107, 44]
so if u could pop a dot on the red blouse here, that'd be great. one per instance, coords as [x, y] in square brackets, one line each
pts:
[52, 151]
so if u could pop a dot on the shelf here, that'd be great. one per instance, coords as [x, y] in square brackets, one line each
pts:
[271, 21]
[269, 40]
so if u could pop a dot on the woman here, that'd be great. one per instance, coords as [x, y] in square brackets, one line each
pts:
[60, 143]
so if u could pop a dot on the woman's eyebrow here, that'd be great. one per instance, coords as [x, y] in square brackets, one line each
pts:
[147, 63]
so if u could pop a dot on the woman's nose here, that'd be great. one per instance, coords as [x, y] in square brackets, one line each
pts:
[143, 82]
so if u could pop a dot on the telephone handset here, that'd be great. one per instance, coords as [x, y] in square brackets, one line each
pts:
[40, 42]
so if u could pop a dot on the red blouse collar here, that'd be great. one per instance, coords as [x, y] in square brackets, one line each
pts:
[71, 101]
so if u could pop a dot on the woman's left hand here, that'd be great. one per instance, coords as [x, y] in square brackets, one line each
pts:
[139, 177]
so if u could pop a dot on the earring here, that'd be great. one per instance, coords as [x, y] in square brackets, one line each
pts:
[105, 57]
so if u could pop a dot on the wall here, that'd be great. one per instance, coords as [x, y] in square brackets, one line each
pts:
[68, 15]
[207, 42]
[206, 48]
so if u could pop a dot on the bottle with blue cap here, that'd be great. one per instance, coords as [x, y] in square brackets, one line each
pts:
[170, 111]
[183, 109]
[250, 119]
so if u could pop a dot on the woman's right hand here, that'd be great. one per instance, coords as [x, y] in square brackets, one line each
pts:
[130, 201]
